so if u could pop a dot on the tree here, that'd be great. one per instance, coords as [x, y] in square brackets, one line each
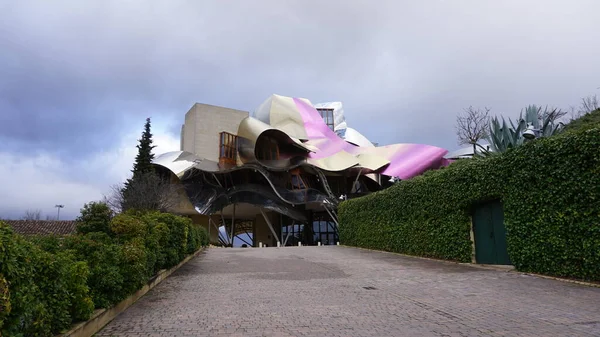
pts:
[142, 165]
[588, 104]
[143, 160]
[32, 214]
[149, 191]
[94, 217]
[472, 126]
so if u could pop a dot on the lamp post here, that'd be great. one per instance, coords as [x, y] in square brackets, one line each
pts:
[531, 132]
[58, 207]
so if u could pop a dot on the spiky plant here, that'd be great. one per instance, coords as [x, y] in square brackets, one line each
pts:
[502, 137]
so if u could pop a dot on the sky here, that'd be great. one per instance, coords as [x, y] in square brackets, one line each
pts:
[78, 78]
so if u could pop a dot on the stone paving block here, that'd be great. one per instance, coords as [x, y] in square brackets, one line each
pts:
[341, 291]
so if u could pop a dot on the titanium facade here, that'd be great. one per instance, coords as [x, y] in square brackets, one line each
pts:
[285, 169]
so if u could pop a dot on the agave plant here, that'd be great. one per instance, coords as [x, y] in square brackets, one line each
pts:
[502, 137]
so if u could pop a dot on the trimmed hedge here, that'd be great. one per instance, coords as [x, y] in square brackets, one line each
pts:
[47, 283]
[550, 189]
[41, 293]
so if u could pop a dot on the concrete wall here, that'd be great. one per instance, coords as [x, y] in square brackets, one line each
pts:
[203, 123]
[202, 220]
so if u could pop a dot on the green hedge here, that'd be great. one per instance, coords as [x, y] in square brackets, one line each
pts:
[47, 283]
[41, 293]
[550, 189]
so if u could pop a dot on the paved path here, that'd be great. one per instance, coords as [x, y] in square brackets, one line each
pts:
[340, 291]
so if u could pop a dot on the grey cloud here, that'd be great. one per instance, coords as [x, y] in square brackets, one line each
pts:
[74, 74]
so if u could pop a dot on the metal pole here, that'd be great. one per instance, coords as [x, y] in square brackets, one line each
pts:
[224, 224]
[287, 237]
[357, 176]
[332, 218]
[246, 242]
[232, 225]
[58, 209]
[281, 225]
[269, 224]
[332, 212]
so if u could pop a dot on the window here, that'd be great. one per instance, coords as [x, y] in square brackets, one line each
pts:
[292, 234]
[227, 148]
[327, 115]
[268, 149]
[297, 181]
[324, 229]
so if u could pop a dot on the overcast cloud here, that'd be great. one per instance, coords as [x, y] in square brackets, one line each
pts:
[78, 78]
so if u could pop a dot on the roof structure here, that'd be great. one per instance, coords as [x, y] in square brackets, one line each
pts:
[42, 227]
[303, 142]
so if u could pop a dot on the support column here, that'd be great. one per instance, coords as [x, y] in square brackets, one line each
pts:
[219, 236]
[224, 226]
[270, 225]
[332, 217]
[355, 181]
[232, 225]
[281, 226]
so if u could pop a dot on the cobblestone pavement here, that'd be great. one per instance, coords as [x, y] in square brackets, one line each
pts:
[341, 291]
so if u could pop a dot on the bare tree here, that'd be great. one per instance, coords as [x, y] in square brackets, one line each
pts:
[147, 192]
[588, 104]
[50, 218]
[472, 125]
[35, 214]
[554, 114]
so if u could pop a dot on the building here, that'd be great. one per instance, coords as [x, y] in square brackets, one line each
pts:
[280, 173]
[42, 227]
[468, 152]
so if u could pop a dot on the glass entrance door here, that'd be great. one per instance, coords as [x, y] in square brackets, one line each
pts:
[324, 229]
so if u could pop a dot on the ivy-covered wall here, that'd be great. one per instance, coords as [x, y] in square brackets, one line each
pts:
[550, 189]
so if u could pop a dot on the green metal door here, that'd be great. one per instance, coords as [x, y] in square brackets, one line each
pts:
[484, 236]
[490, 234]
[497, 213]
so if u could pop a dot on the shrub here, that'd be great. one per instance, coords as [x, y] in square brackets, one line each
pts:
[159, 237]
[4, 300]
[550, 189]
[105, 260]
[174, 245]
[586, 122]
[48, 243]
[47, 283]
[44, 292]
[127, 227]
[95, 217]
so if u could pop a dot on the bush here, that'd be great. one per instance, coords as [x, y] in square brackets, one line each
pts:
[105, 260]
[586, 122]
[47, 283]
[172, 233]
[550, 189]
[42, 293]
[95, 217]
[4, 300]
[127, 227]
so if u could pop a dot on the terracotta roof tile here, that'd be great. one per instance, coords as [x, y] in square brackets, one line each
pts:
[43, 227]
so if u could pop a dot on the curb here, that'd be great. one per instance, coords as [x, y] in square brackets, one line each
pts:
[508, 269]
[102, 317]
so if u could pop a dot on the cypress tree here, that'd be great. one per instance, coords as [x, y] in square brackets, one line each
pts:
[143, 160]
[142, 165]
